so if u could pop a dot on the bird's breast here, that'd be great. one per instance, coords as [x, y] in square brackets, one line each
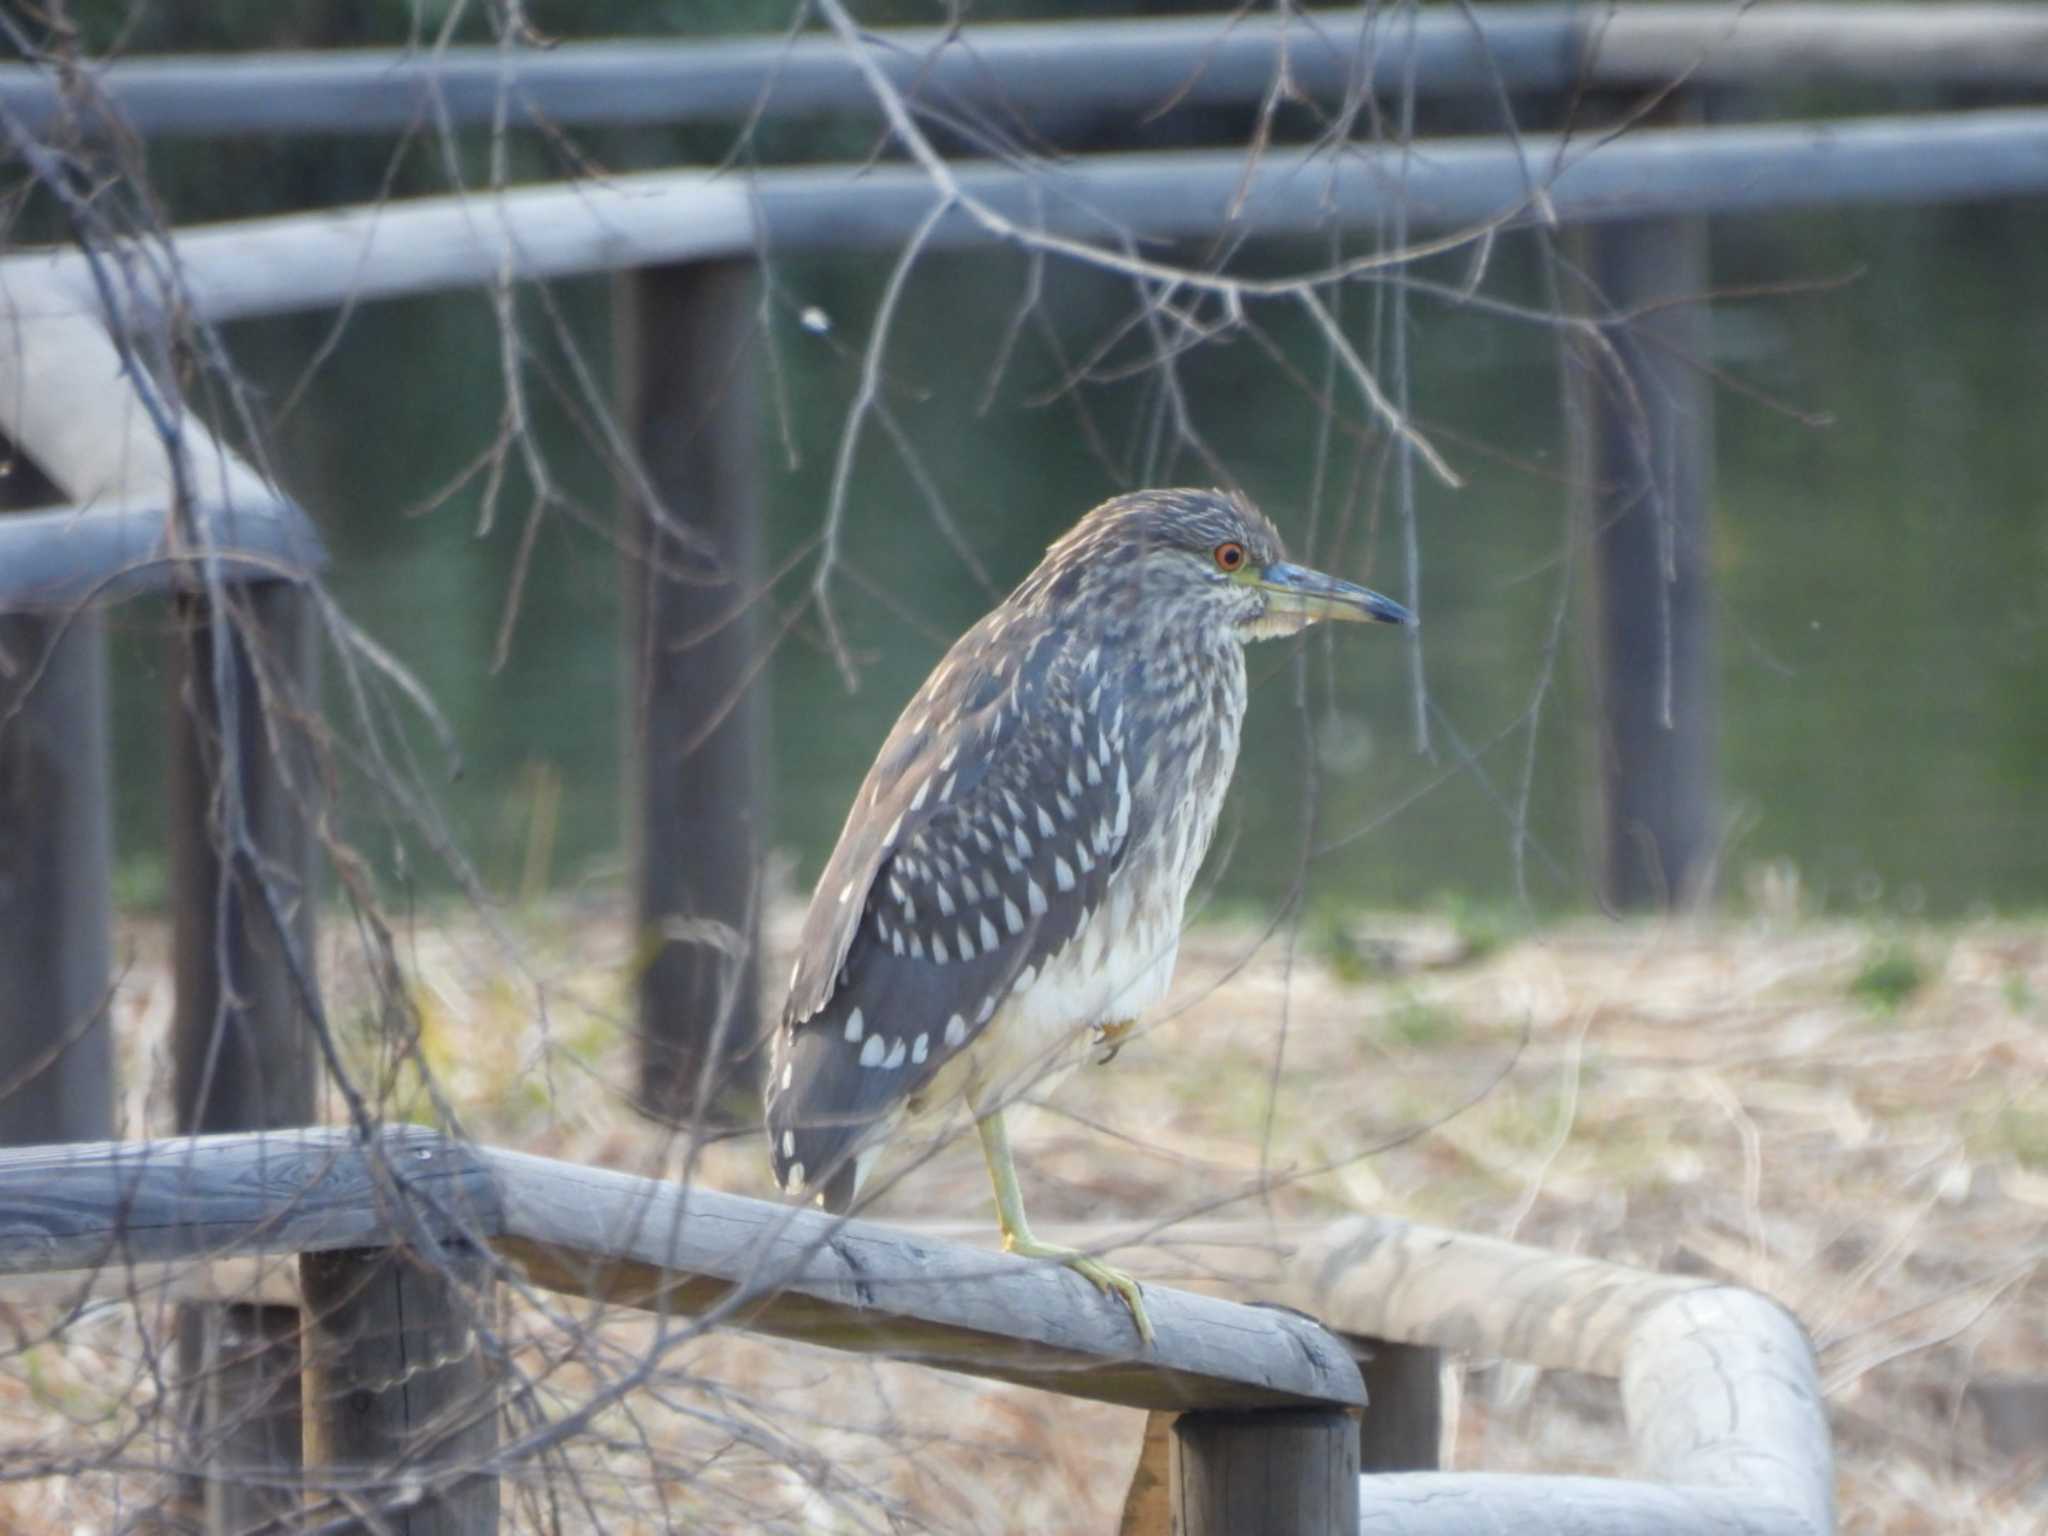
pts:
[1120, 962]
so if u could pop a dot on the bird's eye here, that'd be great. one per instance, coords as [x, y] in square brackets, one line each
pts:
[1229, 556]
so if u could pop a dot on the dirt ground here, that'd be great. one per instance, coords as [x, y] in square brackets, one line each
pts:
[1853, 1118]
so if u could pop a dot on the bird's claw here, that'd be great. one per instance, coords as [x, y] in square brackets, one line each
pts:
[1106, 1278]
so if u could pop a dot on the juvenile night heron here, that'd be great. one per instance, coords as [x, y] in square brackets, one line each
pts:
[1007, 893]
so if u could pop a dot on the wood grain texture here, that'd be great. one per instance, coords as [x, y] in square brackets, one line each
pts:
[100, 1204]
[401, 1406]
[1719, 1384]
[1722, 1394]
[799, 1274]
[1265, 1474]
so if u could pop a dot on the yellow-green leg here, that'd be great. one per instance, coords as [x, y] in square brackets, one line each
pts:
[1017, 1238]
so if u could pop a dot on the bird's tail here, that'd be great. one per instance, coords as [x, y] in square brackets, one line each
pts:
[822, 1137]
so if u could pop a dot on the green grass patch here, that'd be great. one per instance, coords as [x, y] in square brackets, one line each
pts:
[1889, 977]
[1420, 1024]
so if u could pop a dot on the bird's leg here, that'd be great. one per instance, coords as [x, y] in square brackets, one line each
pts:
[1017, 1238]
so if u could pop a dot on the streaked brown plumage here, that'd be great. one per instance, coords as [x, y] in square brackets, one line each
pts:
[1011, 877]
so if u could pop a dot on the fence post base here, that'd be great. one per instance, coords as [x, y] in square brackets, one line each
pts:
[401, 1407]
[1279, 1473]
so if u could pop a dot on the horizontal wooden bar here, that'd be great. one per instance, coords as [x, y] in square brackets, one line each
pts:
[799, 1274]
[60, 558]
[1461, 1503]
[1722, 1399]
[310, 261]
[103, 1204]
[791, 1272]
[1721, 1393]
[1049, 72]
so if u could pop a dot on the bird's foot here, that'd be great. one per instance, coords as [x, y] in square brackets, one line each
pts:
[1110, 1038]
[1104, 1277]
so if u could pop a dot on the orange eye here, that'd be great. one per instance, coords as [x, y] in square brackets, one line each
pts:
[1229, 557]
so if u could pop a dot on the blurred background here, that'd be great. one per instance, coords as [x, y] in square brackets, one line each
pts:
[1880, 548]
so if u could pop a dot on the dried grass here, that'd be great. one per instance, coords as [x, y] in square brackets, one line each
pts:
[1741, 1100]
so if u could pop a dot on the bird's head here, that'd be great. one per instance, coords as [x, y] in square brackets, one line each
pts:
[1206, 559]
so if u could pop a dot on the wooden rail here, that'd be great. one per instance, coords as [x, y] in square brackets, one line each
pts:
[794, 1273]
[1050, 71]
[1723, 1406]
[340, 256]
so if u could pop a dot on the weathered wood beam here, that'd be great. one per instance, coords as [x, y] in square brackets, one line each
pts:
[320, 260]
[798, 1274]
[100, 1204]
[1719, 1384]
[1048, 72]
[793, 1273]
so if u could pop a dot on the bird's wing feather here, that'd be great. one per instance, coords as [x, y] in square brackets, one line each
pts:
[981, 844]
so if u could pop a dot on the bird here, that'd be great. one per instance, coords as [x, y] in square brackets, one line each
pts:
[1006, 897]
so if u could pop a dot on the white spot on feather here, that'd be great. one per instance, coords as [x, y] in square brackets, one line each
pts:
[854, 1025]
[988, 932]
[917, 800]
[1012, 918]
[956, 1032]
[789, 1143]
[920, 1048]
[1062, 874]
[895, 1057]
[793, 1180]
[1034, 895]
[871, 1053]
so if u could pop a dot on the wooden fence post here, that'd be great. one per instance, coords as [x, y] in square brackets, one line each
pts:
[1402, 1429]
[249, 1386]
[401, 1407]
[56, 857]
[1277, 1472]
[242, 1052]
[242, 1049]
[694, 758]
[1646, 463]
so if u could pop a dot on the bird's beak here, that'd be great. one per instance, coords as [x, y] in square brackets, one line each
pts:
[1294, 589]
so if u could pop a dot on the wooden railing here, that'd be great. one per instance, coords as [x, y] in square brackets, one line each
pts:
[402, 1236]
